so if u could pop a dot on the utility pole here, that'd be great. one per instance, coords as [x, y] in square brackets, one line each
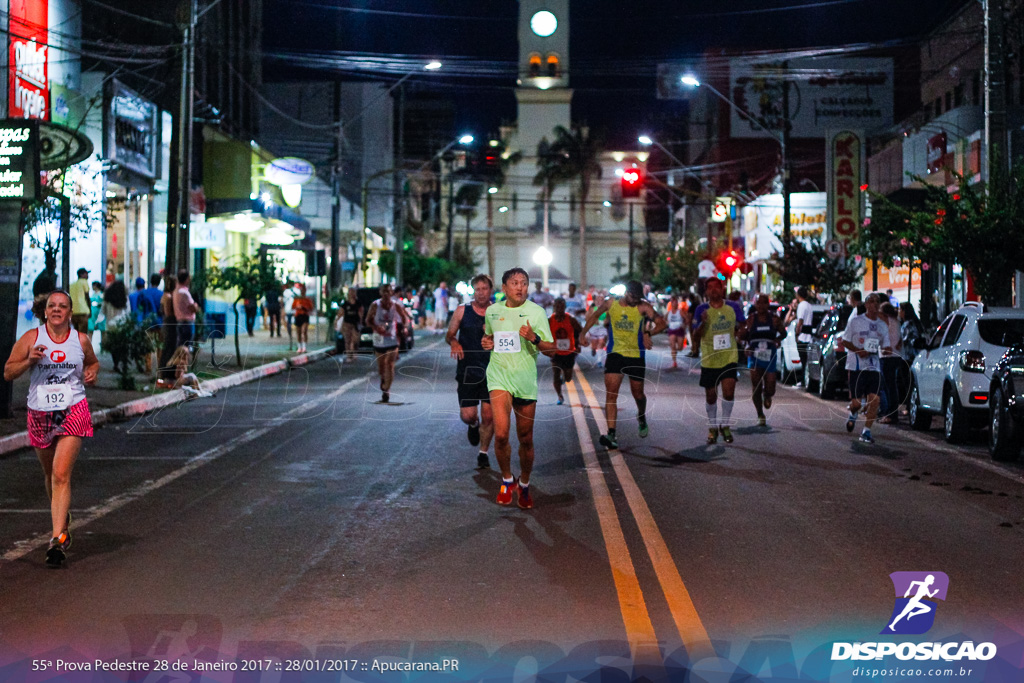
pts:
[784, 144]
[178, 205]
[399, 213]
[450, 252]
[995, 84]
[630, 202]
[334, 281]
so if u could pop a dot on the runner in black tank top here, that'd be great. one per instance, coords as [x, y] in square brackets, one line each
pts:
[465, 331]
[764, 332]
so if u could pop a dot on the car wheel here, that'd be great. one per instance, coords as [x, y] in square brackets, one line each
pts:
[826, 389]
[810, 386]
[1003, 440]
[955, 420]
[919, 417]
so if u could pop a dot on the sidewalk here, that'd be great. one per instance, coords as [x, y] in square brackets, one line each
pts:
[258, 350]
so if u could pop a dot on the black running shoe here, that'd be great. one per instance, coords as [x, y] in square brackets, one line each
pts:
[385, 397]
[55, 556]
[609, 441]
[482, 462]
[473, 434]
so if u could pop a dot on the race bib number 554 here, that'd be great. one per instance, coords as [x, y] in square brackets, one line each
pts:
[506, 342]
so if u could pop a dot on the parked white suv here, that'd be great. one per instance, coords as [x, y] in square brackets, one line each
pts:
[952, 371]
[790, 364]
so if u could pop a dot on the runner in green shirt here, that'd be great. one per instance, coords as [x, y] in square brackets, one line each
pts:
[515, 330]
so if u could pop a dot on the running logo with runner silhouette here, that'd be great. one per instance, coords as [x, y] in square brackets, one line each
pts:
[916, 593]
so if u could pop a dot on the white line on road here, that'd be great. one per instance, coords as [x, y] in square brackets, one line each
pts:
[23, 548]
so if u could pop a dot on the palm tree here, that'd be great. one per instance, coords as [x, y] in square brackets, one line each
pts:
[574, 155]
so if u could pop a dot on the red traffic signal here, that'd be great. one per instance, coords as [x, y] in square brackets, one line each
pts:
[632, 181]
[728, 262]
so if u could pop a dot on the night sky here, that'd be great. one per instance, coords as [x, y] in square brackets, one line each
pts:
[615, 45]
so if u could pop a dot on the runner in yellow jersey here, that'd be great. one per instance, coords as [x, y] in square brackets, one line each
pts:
[716, 335]
[629, 341]
[515, 330]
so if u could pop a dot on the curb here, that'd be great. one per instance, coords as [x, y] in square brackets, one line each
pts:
[141, 406]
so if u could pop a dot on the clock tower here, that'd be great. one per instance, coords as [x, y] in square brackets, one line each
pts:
[543, 93]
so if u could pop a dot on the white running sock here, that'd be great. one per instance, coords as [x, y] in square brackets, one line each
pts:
[726, 411]
[712, 411]
[523, 485]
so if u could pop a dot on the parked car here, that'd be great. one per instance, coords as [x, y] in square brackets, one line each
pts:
[1006, 405]
[952, 374]
[826, 364]
[366, 296]
[790, 365]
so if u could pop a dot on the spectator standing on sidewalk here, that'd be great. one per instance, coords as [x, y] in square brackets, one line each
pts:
[185, 309]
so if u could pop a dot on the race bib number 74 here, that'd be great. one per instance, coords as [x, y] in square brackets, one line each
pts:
[506, 342]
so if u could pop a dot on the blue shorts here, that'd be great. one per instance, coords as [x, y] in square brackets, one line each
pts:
[766, 366]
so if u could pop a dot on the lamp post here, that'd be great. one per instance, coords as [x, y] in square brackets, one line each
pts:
[461, 140]
[782, 139]
[647, 141]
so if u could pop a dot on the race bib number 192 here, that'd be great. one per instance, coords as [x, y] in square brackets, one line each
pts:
[54, 397]
[506, 342]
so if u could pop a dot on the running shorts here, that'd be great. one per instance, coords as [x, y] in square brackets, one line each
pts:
[301, 319]
[44, 427]
[472, 386]
[712, 377]
[617, 364]
[565, 362]
[863, 383]
[766, 365]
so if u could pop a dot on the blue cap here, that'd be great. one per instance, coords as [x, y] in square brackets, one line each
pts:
[140, 282]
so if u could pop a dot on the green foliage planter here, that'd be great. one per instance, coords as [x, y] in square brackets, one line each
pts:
[127, 343]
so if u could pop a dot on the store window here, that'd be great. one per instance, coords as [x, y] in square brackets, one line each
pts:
[553, 66]
[534, 65]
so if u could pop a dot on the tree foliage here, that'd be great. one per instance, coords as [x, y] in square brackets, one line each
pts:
[977, 225]
[418, 270]
[806, 263]
[248, 278]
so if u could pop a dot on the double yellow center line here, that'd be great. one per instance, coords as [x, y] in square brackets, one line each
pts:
[637, 620]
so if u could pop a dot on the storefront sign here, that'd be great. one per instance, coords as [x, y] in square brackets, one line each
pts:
[19, 160]
[845, 154]
[29, 87]
[207, 234]
[131, 130]
[289, 171]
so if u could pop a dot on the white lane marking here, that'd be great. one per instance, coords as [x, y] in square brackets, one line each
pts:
[23, 548]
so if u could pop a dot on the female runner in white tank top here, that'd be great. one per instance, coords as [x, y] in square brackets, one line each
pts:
[61, 362]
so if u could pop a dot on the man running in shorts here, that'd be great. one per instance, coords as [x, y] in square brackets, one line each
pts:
[465, 332]
[630, 340]
[385, 316]
[515, 330]
[764, 332]
[866, 338]
[61, 363]
[675, 316]
[597, 338]
[566, 331]
[717, 330]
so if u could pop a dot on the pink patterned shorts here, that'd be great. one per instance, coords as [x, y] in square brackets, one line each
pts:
[44, 427]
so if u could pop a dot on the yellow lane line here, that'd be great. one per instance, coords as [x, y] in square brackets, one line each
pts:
[639, 631]
[691, 628]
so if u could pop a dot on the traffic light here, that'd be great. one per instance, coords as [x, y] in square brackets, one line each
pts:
[632, 182]
[728, 262]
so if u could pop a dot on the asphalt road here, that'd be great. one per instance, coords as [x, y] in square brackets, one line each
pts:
[296, 522]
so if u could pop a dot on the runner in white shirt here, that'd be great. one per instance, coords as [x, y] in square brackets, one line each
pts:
[61, 363]
[866, 338]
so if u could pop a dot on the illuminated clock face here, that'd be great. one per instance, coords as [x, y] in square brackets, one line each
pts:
[543, 23]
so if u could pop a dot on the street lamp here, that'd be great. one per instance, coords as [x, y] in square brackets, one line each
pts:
[543, 257]
[691, 81]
